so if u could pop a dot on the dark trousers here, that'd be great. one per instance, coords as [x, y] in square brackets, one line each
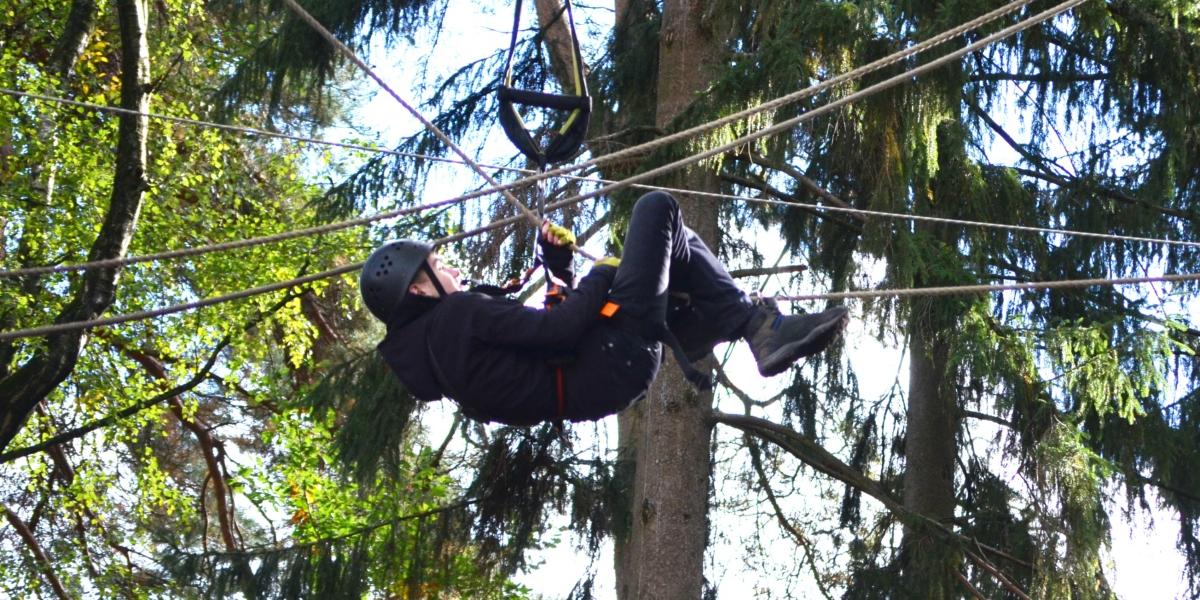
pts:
[664, 261]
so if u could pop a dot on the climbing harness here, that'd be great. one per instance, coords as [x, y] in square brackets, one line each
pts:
[566, 141]
[658, 332]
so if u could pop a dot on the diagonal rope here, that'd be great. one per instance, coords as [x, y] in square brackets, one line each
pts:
[793, 97]
[886, 84]
[320, 29]
[563, 171]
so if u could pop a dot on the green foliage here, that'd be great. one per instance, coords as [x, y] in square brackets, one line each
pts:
[1075, 533]
[336, 490]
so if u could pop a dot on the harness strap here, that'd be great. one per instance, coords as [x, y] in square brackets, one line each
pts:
[555, 294]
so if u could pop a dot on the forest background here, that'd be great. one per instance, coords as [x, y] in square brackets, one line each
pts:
[260, 447]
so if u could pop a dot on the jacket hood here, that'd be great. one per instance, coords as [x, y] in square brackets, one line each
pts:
[405, 347]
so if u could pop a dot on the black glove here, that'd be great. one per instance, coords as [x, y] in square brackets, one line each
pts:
[556, 242]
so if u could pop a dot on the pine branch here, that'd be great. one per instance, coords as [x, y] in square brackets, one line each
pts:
[817, 457]
[39, 555]
[726, 382]
[986, 417]
[784, 522]
[823, 461]
[766, 188]
[999, 576]
[975, 593]
[366, 529]
[1062, 40]
[1112, 194]
[1062, 178]
[1037, 160]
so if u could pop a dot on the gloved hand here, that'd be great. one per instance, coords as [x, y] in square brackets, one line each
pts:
[609, 261]
[556, 234]
[556, 241]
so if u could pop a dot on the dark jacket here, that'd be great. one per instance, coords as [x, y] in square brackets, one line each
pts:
[492, 355]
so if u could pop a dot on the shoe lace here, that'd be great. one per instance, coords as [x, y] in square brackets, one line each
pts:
[767, 302]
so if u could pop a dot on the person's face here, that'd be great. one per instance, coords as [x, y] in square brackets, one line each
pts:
[448, 276]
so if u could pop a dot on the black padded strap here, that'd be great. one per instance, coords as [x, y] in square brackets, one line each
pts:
[566, 143]
[543, 100]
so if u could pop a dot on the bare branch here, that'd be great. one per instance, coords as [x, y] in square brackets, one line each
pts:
[995, 572]
[967, 584]
[35, 548]
[822, 460]
[807, 182]
[741, 273]
[986, 417]
[801, 540]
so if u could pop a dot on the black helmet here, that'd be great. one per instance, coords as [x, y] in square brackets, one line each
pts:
[388, 272]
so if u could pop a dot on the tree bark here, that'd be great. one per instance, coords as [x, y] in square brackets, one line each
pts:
[667, 435]
[552, 20]
[22, 390]
[81, 22]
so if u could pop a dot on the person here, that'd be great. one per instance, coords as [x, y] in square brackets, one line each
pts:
[595, 352]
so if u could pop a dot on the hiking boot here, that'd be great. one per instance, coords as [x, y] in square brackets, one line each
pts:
[778, 340]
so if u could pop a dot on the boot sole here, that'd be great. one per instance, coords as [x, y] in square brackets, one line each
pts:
[817, 340]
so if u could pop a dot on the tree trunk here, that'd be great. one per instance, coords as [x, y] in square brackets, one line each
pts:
[930, 450]
[22, 390]
[81, 22]
[552, 19]
[666, 436]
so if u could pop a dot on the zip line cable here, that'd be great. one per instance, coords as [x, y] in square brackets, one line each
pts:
[1039, 18]
[562, 171]
[831, 106]
[1003, 287]
[333, 227]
